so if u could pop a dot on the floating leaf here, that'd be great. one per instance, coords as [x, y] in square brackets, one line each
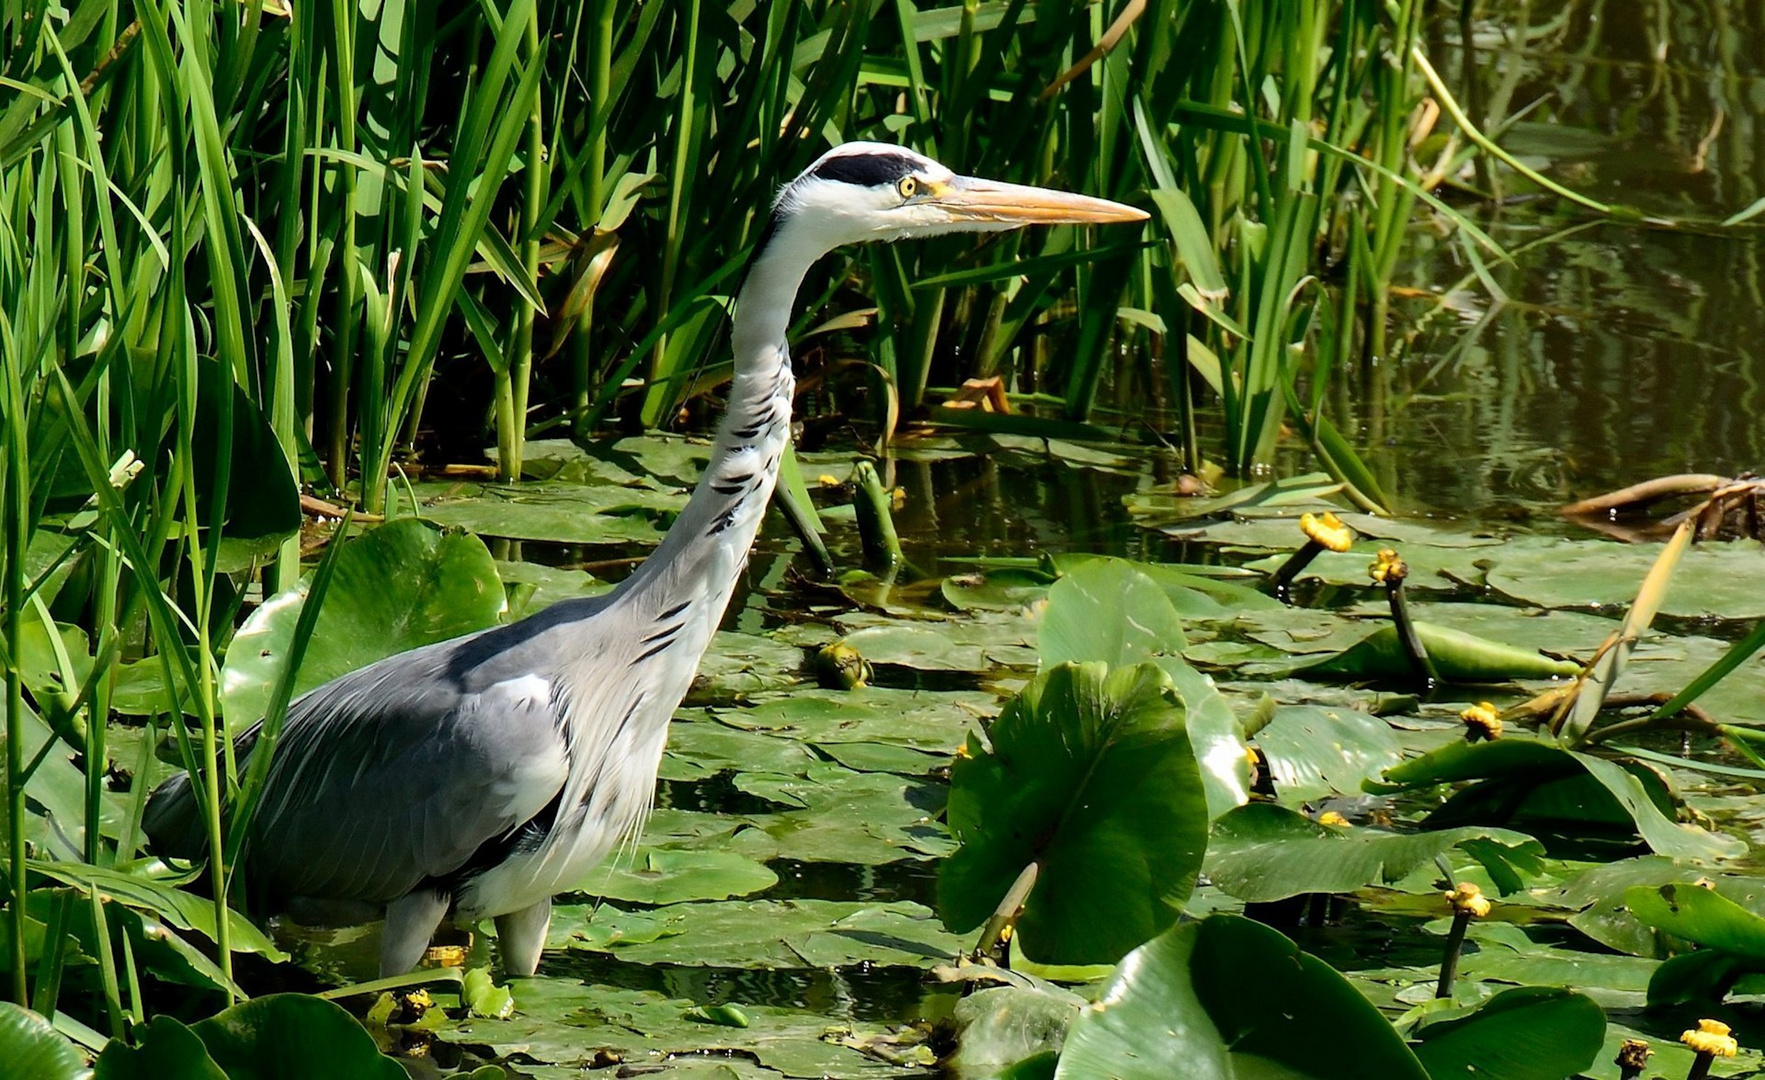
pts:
[1263, 852]
[1107, 610]
[1227, 998]
[1527, 1033]
[1091, 776]
[1313, 751]
[663, 876]
[277, 1037]
[772, 934]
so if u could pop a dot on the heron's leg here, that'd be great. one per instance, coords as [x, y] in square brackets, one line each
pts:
[410, 923]
[520, 936]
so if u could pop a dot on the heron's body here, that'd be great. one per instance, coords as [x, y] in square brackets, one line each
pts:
[485, 774]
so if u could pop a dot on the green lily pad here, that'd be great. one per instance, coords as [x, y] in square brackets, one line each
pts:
[999, 1026]
[559, 513]
[1713, 580]
[1528, 1033]
[663, 876]
[778, 934]
[1091, 776]
[1228, 998]
[1108, 610]
[846, 816]
[1263, 852]
[277, 1037]
[1313, 751]
[565, 1024]
[1003, 589]
[1597, 896]
[395, 588]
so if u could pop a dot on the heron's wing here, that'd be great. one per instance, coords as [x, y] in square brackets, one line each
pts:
[400, 772]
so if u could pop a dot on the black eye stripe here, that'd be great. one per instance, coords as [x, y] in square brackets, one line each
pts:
[867, 170]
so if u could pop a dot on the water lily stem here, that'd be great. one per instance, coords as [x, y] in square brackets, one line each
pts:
[1449, 964]
[1391, 572]
[1700, 1066]
[876, 524]
[995, 942]
[1290, 569]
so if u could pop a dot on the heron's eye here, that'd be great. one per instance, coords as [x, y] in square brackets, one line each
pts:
[907, 187]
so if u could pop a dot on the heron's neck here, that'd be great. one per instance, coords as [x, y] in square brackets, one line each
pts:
[689, 579]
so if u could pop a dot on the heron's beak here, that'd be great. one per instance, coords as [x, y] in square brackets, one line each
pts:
[968, 199]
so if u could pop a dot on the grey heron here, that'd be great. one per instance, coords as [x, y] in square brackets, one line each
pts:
[482, 775]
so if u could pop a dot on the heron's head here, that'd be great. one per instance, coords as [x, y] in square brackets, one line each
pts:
[873, 191]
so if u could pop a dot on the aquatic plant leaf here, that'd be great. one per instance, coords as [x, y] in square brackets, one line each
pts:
[1535, 769]
[1264, 852]
[562, 1023]
[1598, 894]
[277, 1037]
[561, 513]
[1457, 656]
[397, 587]
[780, 934]
[186, 911]
[293, 1036]
[1700, 915]
[1228, 998]
[1216, 737]
[31, 1047]
[164, 1047]
[852, 817]
[1312, 751]
[1001, 589]
[1527, 1033]
[1107, 610]
[999, 1026]
[664, 876]
[1712, 580]
[1090, 775]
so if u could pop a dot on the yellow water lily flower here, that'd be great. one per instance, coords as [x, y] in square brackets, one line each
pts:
[1468, 899]
[1327, 531]
[1482, 721]
[1387, 568]
[1711, 1037]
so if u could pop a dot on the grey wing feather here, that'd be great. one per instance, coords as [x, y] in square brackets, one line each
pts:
[399, 772]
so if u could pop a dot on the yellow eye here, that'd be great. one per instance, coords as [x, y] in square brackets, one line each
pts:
[907, 187]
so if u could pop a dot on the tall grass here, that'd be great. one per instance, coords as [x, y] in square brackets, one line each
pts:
[242, 246]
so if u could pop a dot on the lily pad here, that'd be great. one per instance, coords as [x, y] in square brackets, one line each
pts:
[1528, 1033]
[1713, 580]
[1262, 852]
[1313, 751]
[1456, 655]
[1109, 611]
[663, 876]
[776, 934]
[1228, 998]
[1091, 776]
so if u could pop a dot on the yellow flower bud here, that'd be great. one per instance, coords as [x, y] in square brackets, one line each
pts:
[1482, 721]
[1468, 898]
[1387, 567]
[1331, 817]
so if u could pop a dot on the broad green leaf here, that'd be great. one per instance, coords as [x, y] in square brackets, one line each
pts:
[1263, 852]
[1699, 915]
[1457, 656]
[1313, 751]
[662, 876]
[400, 586]
[763, 934]
[1091, 776]
[164, 1047]
[1528, 1033]
[30, 1047]
[1231, 999]
[1106, 610]
[293, 1037]
[999, 1026]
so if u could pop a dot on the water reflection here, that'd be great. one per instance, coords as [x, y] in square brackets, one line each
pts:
[1605, 353]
